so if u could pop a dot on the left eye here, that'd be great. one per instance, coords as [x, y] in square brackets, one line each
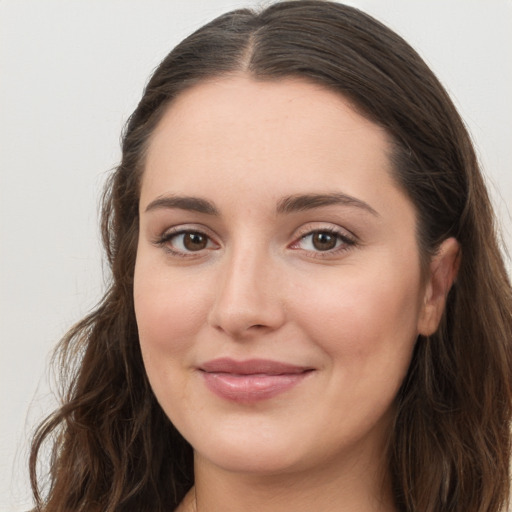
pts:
[321, 241]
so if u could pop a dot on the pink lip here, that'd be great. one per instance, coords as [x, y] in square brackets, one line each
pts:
[251, 380]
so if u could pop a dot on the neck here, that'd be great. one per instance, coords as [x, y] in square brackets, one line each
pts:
[351, 487]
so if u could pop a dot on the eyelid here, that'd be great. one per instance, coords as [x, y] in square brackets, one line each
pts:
[348, 239]
[166, 236]
[315, 227]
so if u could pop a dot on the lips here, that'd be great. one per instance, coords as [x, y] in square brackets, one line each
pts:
[251, 380]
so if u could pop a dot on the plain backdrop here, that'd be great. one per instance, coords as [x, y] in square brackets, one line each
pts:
[70, 75]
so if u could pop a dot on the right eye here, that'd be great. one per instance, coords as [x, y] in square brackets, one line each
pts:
[184, 242]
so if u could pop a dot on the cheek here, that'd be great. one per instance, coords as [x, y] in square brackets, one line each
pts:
[169, 312]
[367, 318]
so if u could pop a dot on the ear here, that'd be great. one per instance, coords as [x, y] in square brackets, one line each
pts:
[442, 273]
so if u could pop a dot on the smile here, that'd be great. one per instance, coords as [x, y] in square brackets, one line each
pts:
[252, 380]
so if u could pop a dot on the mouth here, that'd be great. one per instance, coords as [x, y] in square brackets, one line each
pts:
[251, 380]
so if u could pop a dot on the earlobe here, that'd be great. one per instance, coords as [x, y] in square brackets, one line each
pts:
[442, 273]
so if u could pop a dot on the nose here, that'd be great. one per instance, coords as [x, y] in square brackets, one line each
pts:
[248, 299]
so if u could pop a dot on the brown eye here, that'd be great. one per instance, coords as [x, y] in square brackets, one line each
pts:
[183, 243]
[324, 241]
[193, 241]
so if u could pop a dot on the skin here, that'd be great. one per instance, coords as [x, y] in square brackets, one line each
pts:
[259, 287]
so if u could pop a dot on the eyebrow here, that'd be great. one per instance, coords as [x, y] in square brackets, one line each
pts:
[302, 202]
[290, 204]
[195, 204]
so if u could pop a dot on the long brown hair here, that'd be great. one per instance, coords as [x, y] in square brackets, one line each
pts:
[113, 447]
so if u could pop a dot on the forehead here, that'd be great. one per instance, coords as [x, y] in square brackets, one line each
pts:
[238, 121]
[271, 137]
[219, 109]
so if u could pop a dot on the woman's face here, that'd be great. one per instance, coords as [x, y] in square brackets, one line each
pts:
[278, 290]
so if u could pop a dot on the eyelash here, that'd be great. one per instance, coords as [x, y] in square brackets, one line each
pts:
[346, 242]
[163, 241]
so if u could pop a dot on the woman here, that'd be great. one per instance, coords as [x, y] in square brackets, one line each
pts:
[309, 309]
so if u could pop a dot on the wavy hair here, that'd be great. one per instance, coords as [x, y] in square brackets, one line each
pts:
[113, 449]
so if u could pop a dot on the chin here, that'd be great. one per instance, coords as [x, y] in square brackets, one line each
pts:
[246, 450]
[250, 460]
